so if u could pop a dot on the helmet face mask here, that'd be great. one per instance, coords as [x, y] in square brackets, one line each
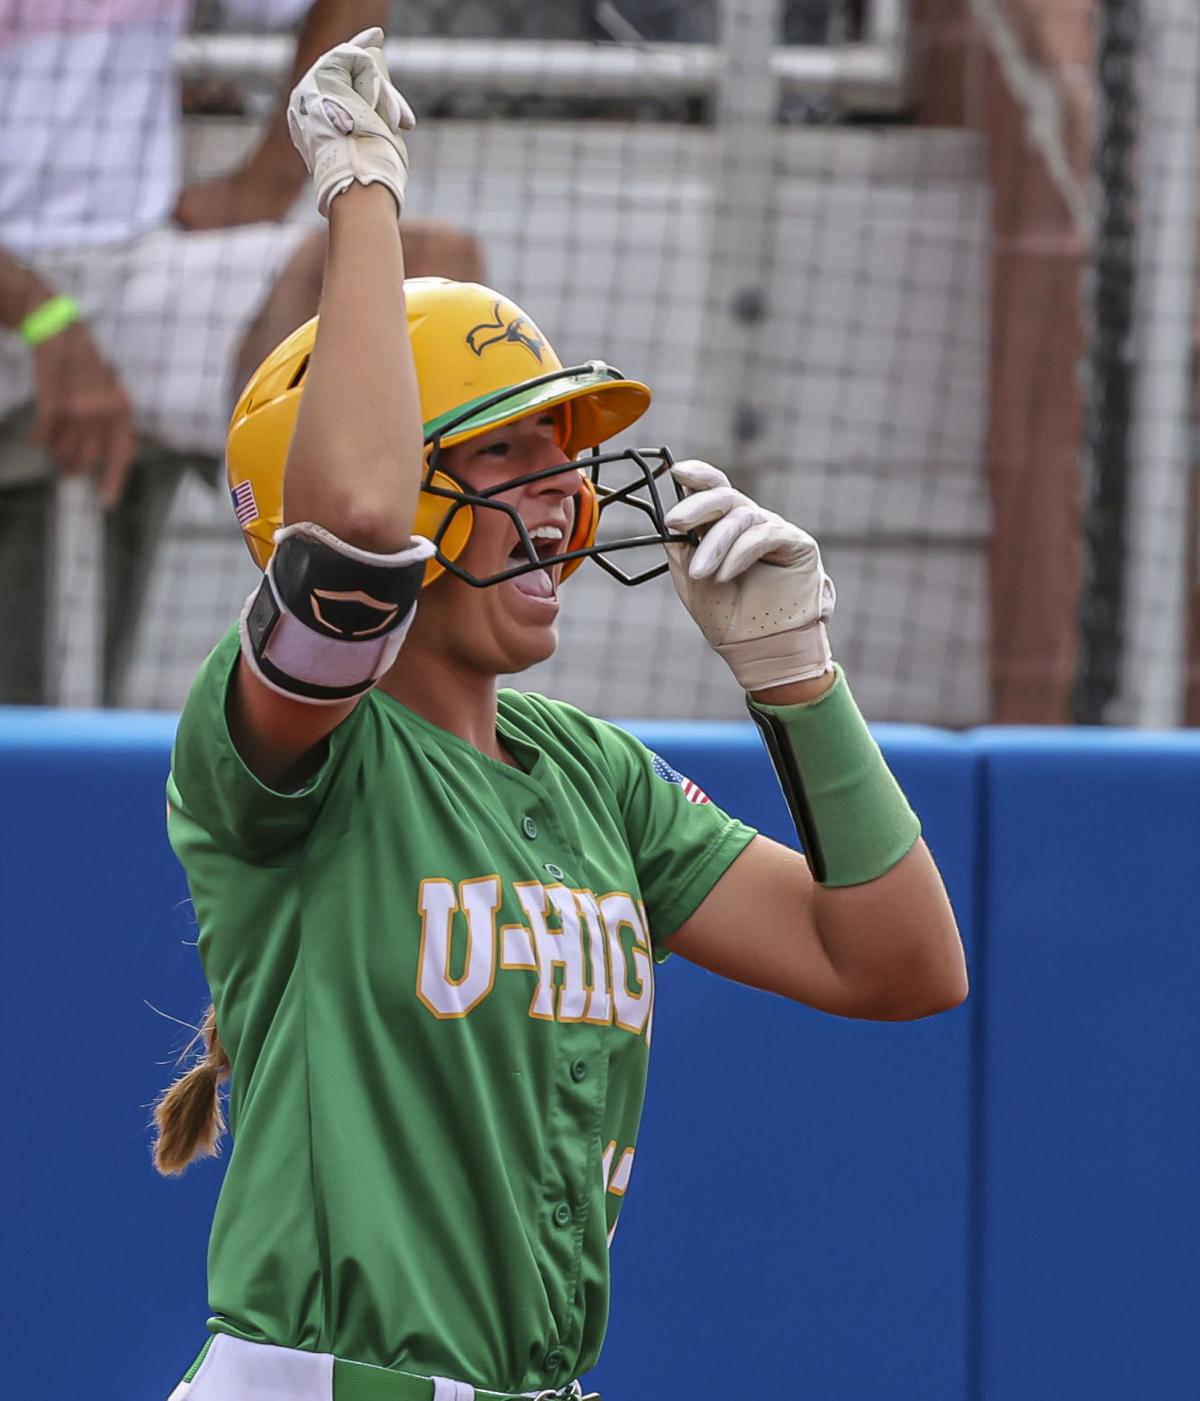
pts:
[481, 364]
[650, 464]
[640, 492]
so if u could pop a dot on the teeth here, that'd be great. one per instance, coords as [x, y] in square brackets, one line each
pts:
[538, 535]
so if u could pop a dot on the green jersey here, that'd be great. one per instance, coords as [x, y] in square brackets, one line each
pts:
[434, 976]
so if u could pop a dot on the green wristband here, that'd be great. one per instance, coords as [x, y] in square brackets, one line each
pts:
[47, 320]
[852, 817]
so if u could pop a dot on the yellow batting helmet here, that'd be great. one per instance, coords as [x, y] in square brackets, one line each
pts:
[481, 363]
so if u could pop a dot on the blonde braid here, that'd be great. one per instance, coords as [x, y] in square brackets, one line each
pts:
[188, 1113]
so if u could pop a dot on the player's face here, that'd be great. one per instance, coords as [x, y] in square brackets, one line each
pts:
[510, 626]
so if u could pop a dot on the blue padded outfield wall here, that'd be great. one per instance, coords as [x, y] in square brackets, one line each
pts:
[999, 1204]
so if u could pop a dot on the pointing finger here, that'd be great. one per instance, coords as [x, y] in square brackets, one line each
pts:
[368, 38]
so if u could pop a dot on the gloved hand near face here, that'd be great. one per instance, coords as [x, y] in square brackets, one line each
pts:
[754, 584]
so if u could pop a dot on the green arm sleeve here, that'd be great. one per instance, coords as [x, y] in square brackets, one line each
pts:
[851, 815]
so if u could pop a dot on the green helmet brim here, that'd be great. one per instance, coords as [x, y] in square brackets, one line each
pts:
[602, 404]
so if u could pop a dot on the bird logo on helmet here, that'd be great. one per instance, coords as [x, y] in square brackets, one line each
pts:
[471, 346]
[479, 339]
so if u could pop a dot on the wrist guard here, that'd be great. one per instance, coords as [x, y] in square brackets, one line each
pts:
[328, 618]
[852, 818]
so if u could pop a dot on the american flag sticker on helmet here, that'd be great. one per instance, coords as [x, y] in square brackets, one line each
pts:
[245, 508]
[691, 791]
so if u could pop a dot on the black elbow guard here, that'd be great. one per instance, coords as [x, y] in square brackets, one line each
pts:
[328, 618]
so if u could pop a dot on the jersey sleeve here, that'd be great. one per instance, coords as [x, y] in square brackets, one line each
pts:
[211, 787]
[681, 842]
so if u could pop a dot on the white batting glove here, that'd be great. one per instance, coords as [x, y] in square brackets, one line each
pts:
[754, 584]
[345, 118]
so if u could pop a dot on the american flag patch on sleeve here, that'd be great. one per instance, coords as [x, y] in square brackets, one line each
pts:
[245, 508]
[691, 791]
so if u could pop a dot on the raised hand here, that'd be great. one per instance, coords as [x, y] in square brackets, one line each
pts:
[345, 119]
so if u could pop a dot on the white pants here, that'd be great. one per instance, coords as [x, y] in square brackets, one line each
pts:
[235, 1370]
[169, 310]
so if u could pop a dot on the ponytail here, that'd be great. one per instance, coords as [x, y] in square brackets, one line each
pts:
[189, 1115]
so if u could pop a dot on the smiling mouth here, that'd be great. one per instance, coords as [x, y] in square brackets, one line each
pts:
[547, 542]
[537, 583]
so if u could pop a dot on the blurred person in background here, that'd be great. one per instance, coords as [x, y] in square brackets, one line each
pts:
[132, 307]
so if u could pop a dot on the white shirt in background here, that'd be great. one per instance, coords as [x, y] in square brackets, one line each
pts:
[89, 116]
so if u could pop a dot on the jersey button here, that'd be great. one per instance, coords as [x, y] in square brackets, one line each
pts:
[578, 1070]
[554, 1360]
[562, 1217]
[529, 827]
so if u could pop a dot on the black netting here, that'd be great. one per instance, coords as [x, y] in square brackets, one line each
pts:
[885, 268]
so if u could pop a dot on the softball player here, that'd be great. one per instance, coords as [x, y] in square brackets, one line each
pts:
[430, 912]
